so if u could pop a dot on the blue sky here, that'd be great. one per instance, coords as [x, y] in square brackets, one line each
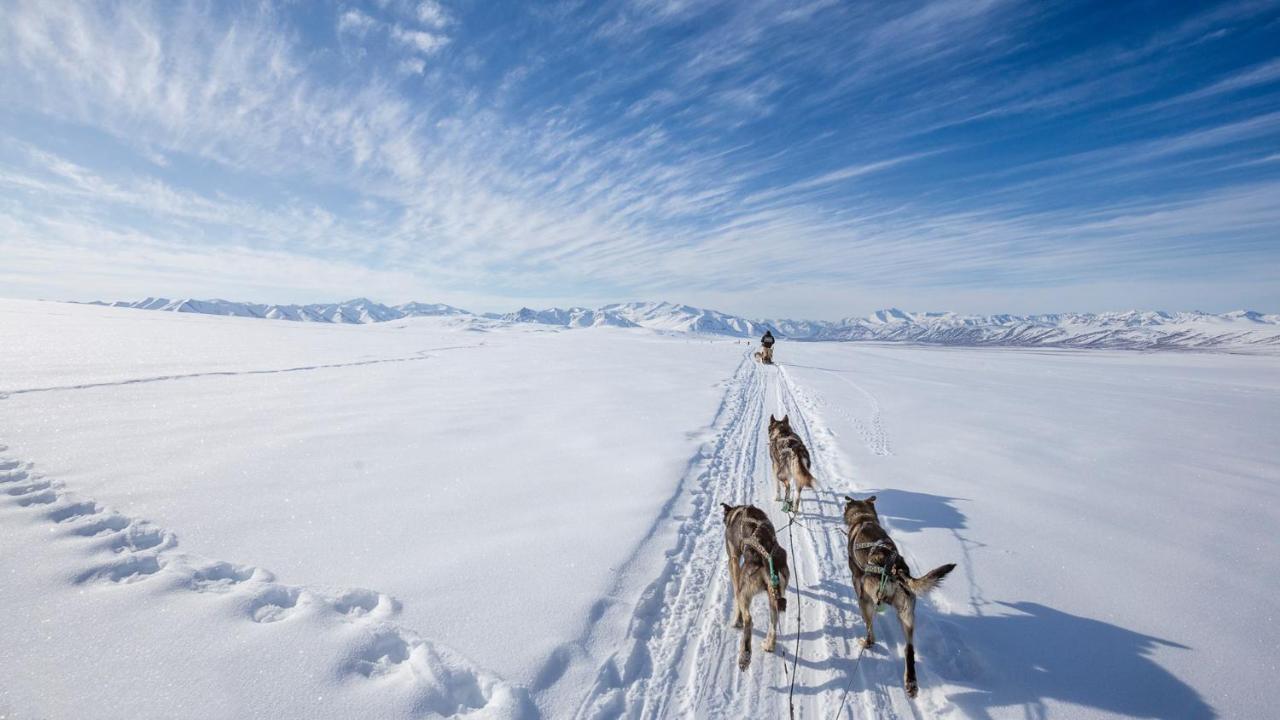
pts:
[811, 159]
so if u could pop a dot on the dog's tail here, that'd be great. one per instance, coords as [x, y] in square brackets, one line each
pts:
[929, 581]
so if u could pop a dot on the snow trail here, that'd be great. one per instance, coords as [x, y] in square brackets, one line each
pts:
[681, 657]
[416, 357]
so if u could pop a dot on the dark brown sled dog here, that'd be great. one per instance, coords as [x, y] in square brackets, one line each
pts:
[881, 575]
[757, 563]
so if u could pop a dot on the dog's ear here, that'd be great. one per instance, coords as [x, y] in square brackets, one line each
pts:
[771, 419]
[727, 508]
[871, 499]
[786, 418]
[848, 500]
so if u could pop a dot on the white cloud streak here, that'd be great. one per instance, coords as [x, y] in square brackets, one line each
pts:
[461, 195]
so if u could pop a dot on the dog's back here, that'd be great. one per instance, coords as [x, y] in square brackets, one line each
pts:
[748, 523]
[870, 544]
[750, 535]
[791, 454]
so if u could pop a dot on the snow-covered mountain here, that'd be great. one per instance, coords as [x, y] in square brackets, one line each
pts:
[357, 311]
[683, 318]
[1133, 329]
[575, 317]
[417, 309]
[1138, 330]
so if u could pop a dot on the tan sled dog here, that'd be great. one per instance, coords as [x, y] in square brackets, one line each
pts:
[757, 563]
[881, 575]
[790, 460]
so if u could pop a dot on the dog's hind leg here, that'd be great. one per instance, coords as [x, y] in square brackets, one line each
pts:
[744, 607]
[905, 604]
[868, 609]
[779, 481]
[771, 640]
[736, 613]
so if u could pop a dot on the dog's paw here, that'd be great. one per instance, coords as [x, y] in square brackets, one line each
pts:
[770, 646]
[912, 689]
[744, 659]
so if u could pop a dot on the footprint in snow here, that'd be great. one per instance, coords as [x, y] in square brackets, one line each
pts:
[384, 655]
[129, 570]
[93, 528]
[360, 603]
[29, 488]
[223, 576]
[274, 604]
[137, 537]
[75, 511]
[43, 497]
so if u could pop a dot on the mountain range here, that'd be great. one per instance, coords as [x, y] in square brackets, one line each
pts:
[1133, 329]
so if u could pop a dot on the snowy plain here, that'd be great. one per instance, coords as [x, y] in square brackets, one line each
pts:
[231, 517]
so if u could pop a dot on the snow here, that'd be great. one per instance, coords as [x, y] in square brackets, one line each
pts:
[1111, 514]
[489, 483]
[231, 517]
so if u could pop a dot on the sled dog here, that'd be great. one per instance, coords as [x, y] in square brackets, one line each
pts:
[881, 575]
[757, 563]
[790, 460]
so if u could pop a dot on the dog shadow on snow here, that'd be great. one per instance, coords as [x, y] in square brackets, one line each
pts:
[1032, 653]
[902, 511]
[1024, 658]
[1014, 655]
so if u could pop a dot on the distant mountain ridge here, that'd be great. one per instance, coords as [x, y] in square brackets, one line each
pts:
[357, 311]
[1133, 329]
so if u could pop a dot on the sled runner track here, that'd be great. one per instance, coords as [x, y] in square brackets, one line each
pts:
[681, 654]
[875, 689]
[416, 357]
[641, 680]
[120, 551]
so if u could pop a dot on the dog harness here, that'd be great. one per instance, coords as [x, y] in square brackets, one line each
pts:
[870, 547]
[774, 579]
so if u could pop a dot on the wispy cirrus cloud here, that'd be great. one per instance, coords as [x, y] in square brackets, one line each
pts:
[581, 152]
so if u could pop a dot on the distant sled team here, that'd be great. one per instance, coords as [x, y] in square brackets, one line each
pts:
[757, 563]
[765, 353]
